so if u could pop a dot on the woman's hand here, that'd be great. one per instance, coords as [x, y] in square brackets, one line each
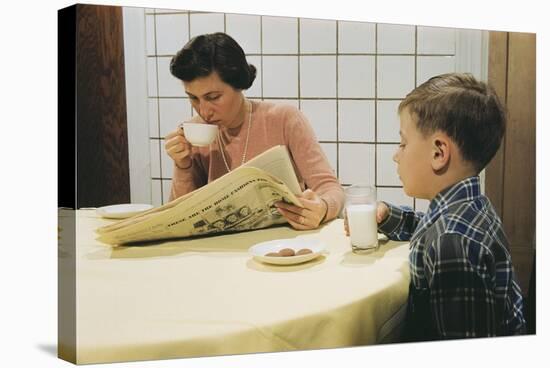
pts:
[178, 148]
[306, 218]
[382, 212]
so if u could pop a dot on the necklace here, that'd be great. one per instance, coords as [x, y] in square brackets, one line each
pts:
[220, 142]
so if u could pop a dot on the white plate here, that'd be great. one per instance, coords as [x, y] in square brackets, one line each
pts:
[260, 250]
[121, 211]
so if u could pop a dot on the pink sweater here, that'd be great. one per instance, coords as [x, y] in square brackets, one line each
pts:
[272, 125]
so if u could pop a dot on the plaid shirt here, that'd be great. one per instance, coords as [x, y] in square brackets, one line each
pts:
[460, 262]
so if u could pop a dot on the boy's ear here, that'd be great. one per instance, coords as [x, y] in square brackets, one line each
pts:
[441, 152]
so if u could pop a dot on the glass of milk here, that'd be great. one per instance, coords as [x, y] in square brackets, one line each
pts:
[361, 213]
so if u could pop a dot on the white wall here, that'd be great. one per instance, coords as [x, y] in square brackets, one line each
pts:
[347, 77]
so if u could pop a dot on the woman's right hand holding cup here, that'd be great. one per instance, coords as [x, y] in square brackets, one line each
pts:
[178, 148]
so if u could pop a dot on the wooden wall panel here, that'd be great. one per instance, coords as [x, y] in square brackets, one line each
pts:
[498, 61]
[511, 176]
[102, 139]
[519, 175]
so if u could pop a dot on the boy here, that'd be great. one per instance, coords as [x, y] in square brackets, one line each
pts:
[462, 279]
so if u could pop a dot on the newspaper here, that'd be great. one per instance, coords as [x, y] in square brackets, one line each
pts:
[242, 199]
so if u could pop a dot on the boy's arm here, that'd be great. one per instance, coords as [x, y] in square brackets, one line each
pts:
[400, 222]
[461, 301]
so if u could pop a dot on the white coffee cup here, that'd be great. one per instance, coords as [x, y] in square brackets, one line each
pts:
[199, 134]
[361, 214]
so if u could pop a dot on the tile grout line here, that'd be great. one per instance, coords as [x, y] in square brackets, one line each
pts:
[375, 104]
[158, 105]
[337, 101]
[299, 64]
[415, 78]
[262, 57]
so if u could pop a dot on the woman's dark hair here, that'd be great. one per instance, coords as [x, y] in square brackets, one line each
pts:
[467, 110]
[217, 52]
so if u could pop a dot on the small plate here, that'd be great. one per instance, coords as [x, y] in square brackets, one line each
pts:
[121, 211]
[260, 250]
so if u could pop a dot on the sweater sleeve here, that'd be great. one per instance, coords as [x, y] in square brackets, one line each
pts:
[187, 180]
[312, 163]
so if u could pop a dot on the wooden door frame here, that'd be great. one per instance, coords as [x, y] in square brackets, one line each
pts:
[510, 177]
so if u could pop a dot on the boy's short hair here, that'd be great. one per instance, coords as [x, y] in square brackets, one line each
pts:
[465, 109]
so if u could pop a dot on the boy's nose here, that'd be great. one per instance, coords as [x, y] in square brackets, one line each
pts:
[394, 158]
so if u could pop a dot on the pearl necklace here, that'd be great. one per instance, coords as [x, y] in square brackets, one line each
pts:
[220, 142]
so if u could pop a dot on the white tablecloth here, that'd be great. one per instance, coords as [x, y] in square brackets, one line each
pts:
[207, 296]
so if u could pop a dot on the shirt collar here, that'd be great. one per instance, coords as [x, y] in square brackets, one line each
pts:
[465, 190]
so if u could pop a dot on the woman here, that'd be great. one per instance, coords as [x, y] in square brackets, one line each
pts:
[214, 72]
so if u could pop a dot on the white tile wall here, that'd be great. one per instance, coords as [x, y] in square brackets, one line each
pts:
[279, 35]
[356, 76]
[280, 76]
[294, 103]
[172, 32]
[166, 163]
[172, 112]
[356, 163]
[317, 36]
[356, 37]
[330, 150]
[387, 121]
[349, 91]
[396, 39]
[395, 76]
[160, 11]
[152, 81]
[156, 195]
[255, 91]
[311, 67]
[434, 40]
[169, 86]
[153, 117]
[245, 29]
[200, 23]
[150, 45]
[421, 204]
[166, 185]
[385, 166]
[394, 196]
[155, 157]
[322, 116]
[356, 121]
[429, 66]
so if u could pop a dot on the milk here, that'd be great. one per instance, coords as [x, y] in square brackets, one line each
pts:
[362, 224]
